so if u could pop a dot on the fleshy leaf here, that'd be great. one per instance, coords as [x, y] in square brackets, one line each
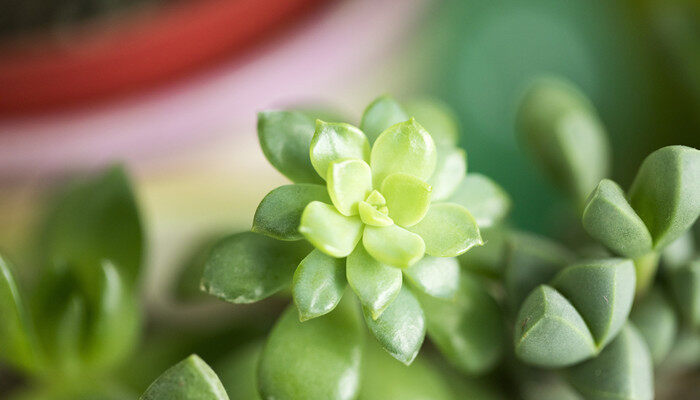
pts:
[435, 276]
[370, 215]
[334, 141]
[602, 292]
[190, 379]
[401, 327]
[609, 219]
[549, 332]
[380, 115]
[349, 183]
[490, 259]
[622, 371]
[393, 245]
[285, 137]
[484, 198]
[279, 213]
[406, 148]
[679, 252]
[407, 198]
[318, 284]
[665, 192]
[316, 359]
[247, 267]
[375, 284]
[330, 231]
[437, 118]
[685, 284]
[450, 169]
[448, 230]
[656, 320]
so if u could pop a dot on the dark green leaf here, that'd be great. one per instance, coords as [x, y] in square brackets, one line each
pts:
[279, 213]
[190, 379]
[318, 284]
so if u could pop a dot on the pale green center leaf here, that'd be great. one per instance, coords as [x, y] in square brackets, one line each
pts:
[376, 284]
[349, 182]
[370, 215]
[436, 276]
[393, 245]
[328, 230]
[448, 230]
[407, 198]
[450, 169]
[336, 141]
[318, 284]
[405, 147]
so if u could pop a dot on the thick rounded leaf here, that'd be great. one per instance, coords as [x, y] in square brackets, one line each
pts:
[330, 231]
[380, 115]
[407, 198]
[437, 118]
[316, 359]
[336, 141]
[450, 169]
[393, 245]
[685, 284]
[549, 332]
[435, 276]
[370, 215]
[665, 192]
[401, 327]
[403, 148]
[468, 331]
[285, 137]
[489, 259]
[622, 371]
[279, 213]
[349, 183]
[238, 369]
[190, 379]
[680, 252]
[656, 320]
[375, 284]
[318, 284]
[484, 198]
[247, 267]
[562, 130]
[608, 218]
[448, 230]
[602, 291]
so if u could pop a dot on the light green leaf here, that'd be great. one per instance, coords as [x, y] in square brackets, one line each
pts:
[67, 334]
[330, 231]
[679, 252]
[685, 285]
[380, 115]
[437, 118]
[490, 259]
[656, 320]
[316, 359]
[602, 291]
[450, 169]
[371, 215]
[336, 141]
[448, 230]
[285, 138]
[665, 192]
[549, 332]
[609, 219]
[349, 183]
[406, 148]
[247, 267]
[393, 245]
[401, 327]
[484, 198]
[190, 379]
[622, 371]
[318, 284]
[435, 276]
[279, 213]
[407, 198]
[375, 284]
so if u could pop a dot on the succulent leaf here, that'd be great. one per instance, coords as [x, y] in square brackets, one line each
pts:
[349, 183]
[407, 198]
[318, 284]
[190, 379]
[448, 230]
[685, 285]
[336, 141]
[435, 276]
[484, 198]
[328, 230]
[393, 245]
[450, 170]
[657, 322]
[279, 213]
[380, 115]
[374, 283]
[436, 117]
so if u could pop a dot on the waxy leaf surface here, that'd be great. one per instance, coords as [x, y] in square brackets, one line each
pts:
[450, 169]
[334, 142]
[349, 182]
[407, 197]
[448, 230]
[484, 198]
[318, 284]
[190, 379]
[435, 276]
[393, 245]
[279, 213]
[330, 231]
[375, 284]
[380, 115]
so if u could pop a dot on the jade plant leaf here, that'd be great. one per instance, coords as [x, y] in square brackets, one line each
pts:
[622, 371]
[316, 359]
[436, 117]
[393, 245]
[401, 327]
[285, 138]
[448, 230]
[450, 169]
[349, 183]
[279, 213]
[380, 115]
[190, 379]
[318, 284]
[247, 267]
[328, 230]
[484, 198]
[608, 218]
[406, 148]
[549, 332]
[665, 192]
[685, 285]
[656, 321]
[435, 276]
[336, 141]
[375, 284]
[407, 198]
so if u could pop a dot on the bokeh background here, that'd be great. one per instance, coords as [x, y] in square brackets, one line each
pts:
[170, 88]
